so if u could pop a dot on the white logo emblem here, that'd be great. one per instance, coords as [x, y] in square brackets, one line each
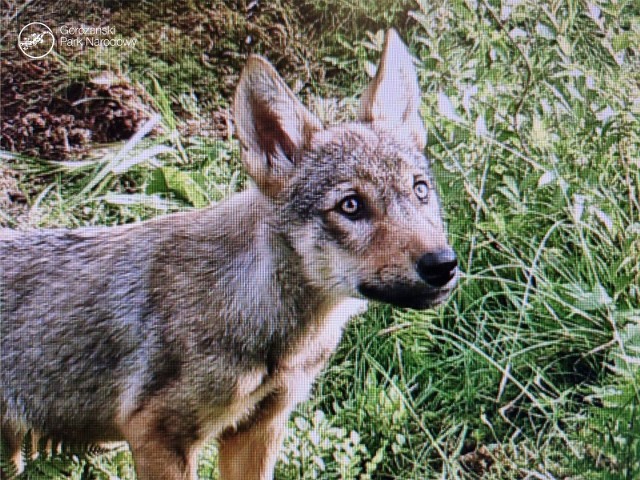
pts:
[36, 40]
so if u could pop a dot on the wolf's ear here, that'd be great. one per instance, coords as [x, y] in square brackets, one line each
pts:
[394, 93]
[272, 124]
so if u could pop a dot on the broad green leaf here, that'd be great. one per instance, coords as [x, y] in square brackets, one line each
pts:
[188, 186]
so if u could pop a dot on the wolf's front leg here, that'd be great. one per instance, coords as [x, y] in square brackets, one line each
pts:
[250, 451]
[162, 443]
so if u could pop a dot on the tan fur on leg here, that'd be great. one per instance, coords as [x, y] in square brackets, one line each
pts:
[250, 453]
[160, 448]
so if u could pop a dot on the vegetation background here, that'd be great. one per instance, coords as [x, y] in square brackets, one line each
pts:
[532, 369]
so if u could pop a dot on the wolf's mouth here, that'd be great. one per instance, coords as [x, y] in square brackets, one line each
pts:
[419, 297]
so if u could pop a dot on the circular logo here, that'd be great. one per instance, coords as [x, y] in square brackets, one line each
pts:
[36, 40]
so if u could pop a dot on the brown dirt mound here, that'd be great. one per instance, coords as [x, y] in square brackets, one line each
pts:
[42, 116]
[49, 112]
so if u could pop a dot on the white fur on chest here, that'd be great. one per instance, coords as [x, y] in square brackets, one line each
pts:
[322, 337]
[297, 371]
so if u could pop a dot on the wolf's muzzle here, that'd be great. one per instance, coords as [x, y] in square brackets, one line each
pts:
[437, 272]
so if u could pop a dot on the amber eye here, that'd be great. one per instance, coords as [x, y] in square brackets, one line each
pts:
[351, 206]
[422, 191]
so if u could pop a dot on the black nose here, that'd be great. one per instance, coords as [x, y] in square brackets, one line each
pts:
[438, 268]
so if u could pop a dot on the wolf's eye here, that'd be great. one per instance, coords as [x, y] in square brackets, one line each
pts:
[351, 206]
[422, 191]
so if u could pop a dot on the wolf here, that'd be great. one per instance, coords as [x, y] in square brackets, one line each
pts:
[213, 323]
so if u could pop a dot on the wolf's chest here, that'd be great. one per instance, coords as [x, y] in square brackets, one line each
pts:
[297, 369]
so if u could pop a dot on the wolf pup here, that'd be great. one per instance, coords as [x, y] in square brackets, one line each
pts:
[214, 323]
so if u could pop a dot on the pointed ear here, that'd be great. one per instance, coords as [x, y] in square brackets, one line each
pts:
[272, 124]
[394, 93]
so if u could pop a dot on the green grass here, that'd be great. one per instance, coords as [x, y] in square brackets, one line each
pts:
[532, 368]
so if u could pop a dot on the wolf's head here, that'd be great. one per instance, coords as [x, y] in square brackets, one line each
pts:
[357, 200]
